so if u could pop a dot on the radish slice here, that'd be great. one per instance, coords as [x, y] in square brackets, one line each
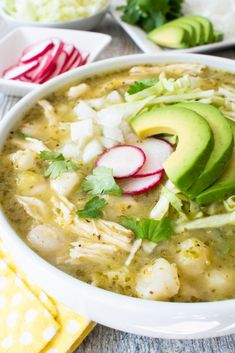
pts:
[72, 60]
[16, 71]
[85, 59]
[125, 160]
[77, 63]
[61, 61]
[49, 60]
[48, 74]
[35, 51]
[136, 186]
[156, 151]
[69, 49]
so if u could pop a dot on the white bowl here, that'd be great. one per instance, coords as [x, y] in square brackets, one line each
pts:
[13, 44]
[85, 24]
[150, 318]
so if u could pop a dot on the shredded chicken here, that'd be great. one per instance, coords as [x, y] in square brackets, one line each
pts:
[49, 111]
[35, 207]
[181, 69]
[30, 143]
[135, 247]
[93, 251]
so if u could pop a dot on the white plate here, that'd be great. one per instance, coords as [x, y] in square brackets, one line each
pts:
[12, 45]
[140, 37]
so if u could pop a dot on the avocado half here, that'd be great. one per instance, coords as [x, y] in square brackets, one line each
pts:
[222, 150]
[195, 141]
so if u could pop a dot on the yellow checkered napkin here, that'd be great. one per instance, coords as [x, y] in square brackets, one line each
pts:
[31, 322]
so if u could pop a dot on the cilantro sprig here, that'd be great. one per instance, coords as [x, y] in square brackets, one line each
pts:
[149, 14]
[58, 164]
[138, 86]
[93, 208]
[101, 181]
[149, 229]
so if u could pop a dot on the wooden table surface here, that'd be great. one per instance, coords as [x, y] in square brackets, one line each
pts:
[103, 339]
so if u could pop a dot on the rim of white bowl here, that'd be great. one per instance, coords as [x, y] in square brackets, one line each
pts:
[96, 68]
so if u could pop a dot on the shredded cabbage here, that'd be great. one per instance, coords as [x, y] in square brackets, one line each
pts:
[208, 222]
[168, 196]
[166, 86]
[52, 10]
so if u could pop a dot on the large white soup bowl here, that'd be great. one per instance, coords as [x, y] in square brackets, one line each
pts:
[150, 318]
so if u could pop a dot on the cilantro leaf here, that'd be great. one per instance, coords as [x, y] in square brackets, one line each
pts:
[58, 164]
[149, 14]
[149, 229]
[51, 156]
[21, 134]
[141, 85]
[93, 208]
[57, 168]
[101, 182]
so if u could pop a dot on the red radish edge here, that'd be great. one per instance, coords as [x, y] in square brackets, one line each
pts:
[157, 159]
[129, 172]
[36, 50]
[9, 73]
[137, 186]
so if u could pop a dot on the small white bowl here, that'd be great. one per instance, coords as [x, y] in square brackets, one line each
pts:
[85, 23]
[12, 45]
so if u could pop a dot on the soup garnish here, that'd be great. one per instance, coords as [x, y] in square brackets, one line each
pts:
[126, 181]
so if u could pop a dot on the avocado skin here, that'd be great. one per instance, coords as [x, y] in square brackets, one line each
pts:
[193, 149]
[223, 187]
[222, 150]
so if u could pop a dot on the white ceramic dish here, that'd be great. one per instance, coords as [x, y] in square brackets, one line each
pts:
[140, 37]
[84, 24]
[150, 318]
[12, 45]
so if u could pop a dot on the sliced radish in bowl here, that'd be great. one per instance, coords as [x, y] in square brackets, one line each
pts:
[16, 71]
[156, 151]
[69, 49]
[124, 160]
[36, 50]
[61, 62]
[139, 185]
[76, 54]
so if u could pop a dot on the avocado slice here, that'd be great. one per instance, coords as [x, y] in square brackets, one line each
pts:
[208, 28]
[170, 36]
[223, 187]
[195, 140]
[223, 145]
[191, 32]
[198, 28]
[218, 36]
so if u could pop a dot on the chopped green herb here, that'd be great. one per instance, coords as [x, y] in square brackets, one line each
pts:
[93, 208]
[51, 156]
[225, 247]
[149, 14]
[58, 164]
[149, 229]
[141, 85]
[101, 182]
[21, 134]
